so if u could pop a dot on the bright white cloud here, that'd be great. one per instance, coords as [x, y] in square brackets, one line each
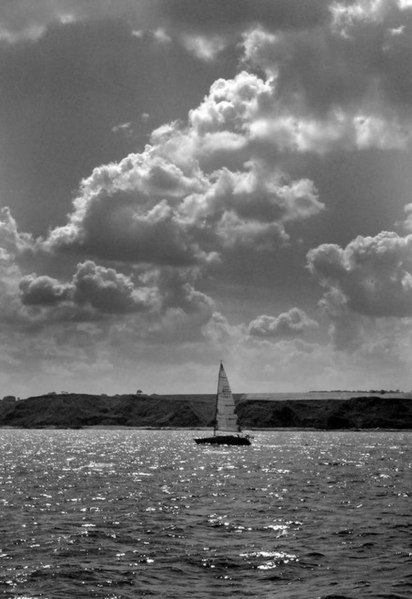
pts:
[407, 224]
[205, 48]
[288, 324]
[12, 241]
[232, 104]
[345, 16]
[161, 36]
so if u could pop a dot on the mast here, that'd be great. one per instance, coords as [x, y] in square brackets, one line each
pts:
[217, 398]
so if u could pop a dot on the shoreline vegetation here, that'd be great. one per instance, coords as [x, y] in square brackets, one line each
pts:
[390, 411]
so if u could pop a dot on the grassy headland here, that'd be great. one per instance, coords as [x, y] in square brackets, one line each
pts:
[71, 410]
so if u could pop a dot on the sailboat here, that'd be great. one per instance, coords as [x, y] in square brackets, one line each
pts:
[225, 417]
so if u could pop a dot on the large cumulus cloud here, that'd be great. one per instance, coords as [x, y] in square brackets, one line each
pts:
[372, 275]
[214, 182]
[176, 204]
[126, 211]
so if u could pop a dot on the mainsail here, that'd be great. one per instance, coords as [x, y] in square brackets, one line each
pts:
[226, 419]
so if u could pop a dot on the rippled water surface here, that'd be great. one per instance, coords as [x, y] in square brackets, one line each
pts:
[132, 513]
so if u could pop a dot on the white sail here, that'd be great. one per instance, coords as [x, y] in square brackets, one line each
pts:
[226, 419]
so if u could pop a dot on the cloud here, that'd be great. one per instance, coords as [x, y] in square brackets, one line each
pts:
[42, 290]
[407, 224]
[102, 290]
[126, 212]
[167, 205]
[12, 241]
[252, 206]
[346, 16]
[221, 333]
[268, 360]
[205, 48]
[109, 291]
[25, 20]
[120, 220]
[125, 129]
[161, 36]
[232, 104]
[176, 287]
[363, 353]
[371, 276]
[167, 296]
[218, 130]
[175, 320]
[160, 305]
[28, 20]
[10, 275]
[337, 131]
[288, 324]
[84, 78]
[340, 85]
[230, 16]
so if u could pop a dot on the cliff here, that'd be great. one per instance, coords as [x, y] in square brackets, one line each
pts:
[78, 410]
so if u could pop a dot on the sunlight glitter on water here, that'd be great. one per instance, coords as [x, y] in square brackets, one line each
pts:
[165, 514]
[278, 558]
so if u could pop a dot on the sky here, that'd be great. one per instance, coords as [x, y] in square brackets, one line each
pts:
[189, 181]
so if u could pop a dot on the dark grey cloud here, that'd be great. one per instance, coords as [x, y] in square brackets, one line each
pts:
[43, 290]
[109, 291]
[115, 229]
[177, 290]
[100, 289]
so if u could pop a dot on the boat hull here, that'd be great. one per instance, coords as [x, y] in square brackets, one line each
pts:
[223, 440]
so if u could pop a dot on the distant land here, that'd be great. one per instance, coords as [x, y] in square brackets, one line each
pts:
[314, 410]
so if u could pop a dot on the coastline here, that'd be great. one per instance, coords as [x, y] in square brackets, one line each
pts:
[81, 411]
[208, 430]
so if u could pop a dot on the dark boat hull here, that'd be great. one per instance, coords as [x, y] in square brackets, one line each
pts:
[223, 440]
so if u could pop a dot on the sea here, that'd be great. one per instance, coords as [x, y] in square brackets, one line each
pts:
[121, 514]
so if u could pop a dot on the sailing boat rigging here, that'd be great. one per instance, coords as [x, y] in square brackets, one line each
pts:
[225, 417]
